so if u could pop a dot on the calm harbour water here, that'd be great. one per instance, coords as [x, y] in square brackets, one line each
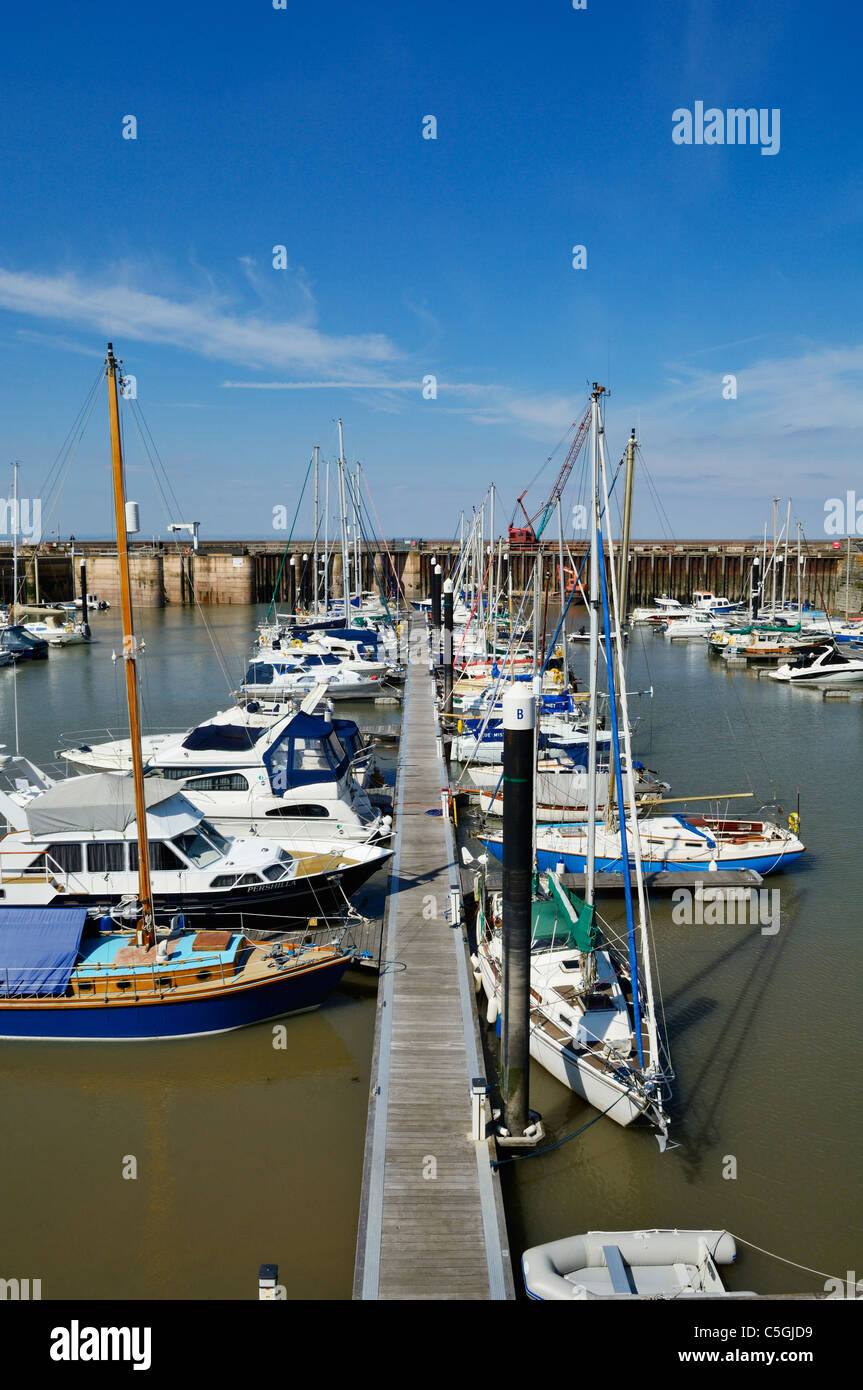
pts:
[247, 1154]
[764, 1030]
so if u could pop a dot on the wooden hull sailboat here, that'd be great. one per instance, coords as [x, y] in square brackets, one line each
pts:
[105, 987]
[62, 977]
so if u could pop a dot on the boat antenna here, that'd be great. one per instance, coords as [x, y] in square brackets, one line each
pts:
[146, 926]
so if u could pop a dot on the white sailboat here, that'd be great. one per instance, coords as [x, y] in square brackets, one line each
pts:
[593, 1017]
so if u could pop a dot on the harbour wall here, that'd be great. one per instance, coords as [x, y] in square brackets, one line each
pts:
[256, 571]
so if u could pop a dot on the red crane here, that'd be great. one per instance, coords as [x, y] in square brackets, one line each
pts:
[522, 536]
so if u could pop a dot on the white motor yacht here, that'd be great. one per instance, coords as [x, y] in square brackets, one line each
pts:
[823, 665]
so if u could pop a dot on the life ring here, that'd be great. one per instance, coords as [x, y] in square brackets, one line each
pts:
[296, 642]
[557, 677]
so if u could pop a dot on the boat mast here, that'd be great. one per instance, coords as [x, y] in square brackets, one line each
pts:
[358, 569]
[799, 578]
[346, 567]
[14, 540]
[315, 553]
[327, 539]
[593, 649]
[614, 639]
[776, 502]
[146, 926]
[562, 593]
[787, 530]
[491, 598]
[15, 516]
[623, 579]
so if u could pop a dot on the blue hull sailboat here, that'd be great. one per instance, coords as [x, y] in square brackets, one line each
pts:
[668, 844]
[67, 974]
[61, 978]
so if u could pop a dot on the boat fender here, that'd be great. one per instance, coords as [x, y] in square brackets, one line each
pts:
[492, 1011]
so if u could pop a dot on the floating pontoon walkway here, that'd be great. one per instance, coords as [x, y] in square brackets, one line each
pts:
[431, 1216]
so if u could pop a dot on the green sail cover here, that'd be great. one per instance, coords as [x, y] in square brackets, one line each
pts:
[563, 921]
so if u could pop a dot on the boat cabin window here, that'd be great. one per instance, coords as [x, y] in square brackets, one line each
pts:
[224, 782]
[160, 854]
[106, 857]
[302, 811]
[249, 878]
[336, 747]
[223, 881]
[275, 871]
[175, 774]
[65, 855]
[259, 673]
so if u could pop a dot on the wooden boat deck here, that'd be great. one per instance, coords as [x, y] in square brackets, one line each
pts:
[431, 1217]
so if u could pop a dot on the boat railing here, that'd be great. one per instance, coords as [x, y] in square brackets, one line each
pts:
[302, 942]
[159, 980]
[40, 873]
[72, 740]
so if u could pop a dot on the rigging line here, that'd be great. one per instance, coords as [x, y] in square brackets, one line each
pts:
[549, 1148]
[572, 592]
[655, 498]
[141, 425]
[371, 544]
[782, 1260]
[482, 729]
[93, 390]
[382, 534]
[380, 548]
[138, 410]
[59, 483]
[287, 544]
[544, 465]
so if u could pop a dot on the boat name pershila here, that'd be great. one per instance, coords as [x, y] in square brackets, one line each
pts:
[76, 1343]
[735, 126]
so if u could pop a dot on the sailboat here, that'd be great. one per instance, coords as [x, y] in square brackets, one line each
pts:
[593, 1019]
[62, 975]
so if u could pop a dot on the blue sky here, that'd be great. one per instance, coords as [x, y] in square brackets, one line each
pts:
[408, 257]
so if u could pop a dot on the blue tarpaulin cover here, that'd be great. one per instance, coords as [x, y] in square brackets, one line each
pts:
[38, 949]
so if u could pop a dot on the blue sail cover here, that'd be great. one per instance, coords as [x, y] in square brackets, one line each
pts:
[38, 949]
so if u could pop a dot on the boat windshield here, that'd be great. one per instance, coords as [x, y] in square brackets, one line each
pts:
[215, 837]
[201, 850]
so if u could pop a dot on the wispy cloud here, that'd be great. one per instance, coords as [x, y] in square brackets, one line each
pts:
[208, 325]
[323, 385]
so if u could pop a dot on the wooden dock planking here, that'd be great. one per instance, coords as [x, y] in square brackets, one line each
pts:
[422, 1237]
